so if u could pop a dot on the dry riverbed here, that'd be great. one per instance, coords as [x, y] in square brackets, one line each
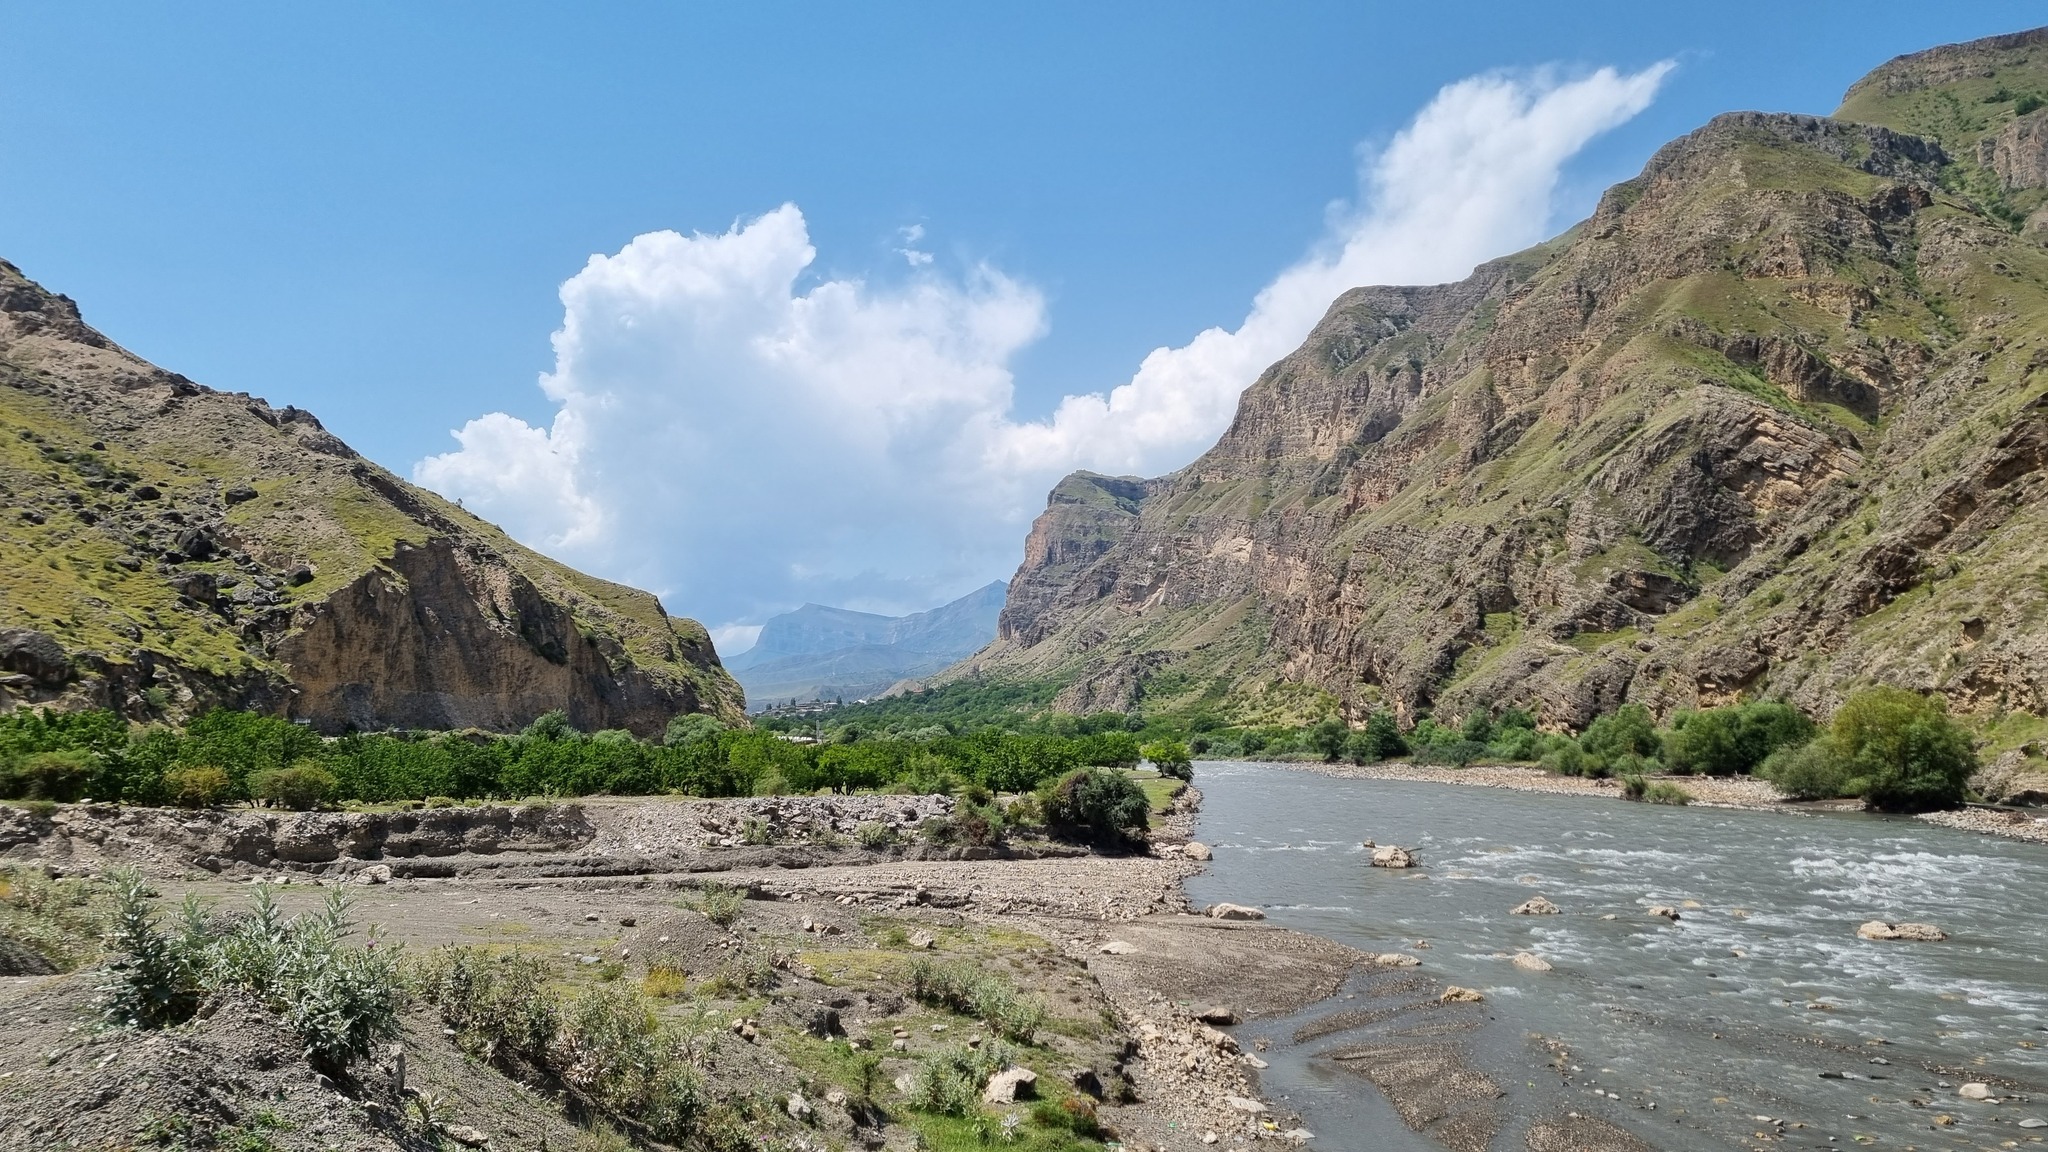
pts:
[813, 969]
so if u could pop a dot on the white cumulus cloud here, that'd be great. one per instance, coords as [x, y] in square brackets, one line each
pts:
[741, 443]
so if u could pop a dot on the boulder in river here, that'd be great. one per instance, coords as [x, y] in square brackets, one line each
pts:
[1216, 1014]
[1535, 906]
[1457, 995]
[1195, 850]
[1975, 1090]
[1393, 856]
[1664, 910]
[1234, 912]
[1531, 962]
[1905, 930]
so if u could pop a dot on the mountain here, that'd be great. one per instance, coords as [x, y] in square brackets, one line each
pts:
[1773, 421]
[817, 652]
[166, 548]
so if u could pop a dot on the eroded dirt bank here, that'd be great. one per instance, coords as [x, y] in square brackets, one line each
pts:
[1155, 1011]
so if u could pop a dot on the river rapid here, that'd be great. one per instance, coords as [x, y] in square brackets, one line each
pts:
[1758, 1019]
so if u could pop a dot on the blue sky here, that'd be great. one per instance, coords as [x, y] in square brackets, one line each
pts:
[371, 211]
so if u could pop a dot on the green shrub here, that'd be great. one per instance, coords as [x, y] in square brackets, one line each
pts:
[496, 1001]
[691, 728]
[1478, 727]
[340, 1000]
[1665, 792]
[983, 995]
[1380, 739]
[615, 1049]
[1569, 760]
[874, 834]
[721, 904]
[59, 776]
[200, 786]
[1904, 748]
[1329, 737]
[1815, 770]
[1098, 806]
[1727, 741]
[1171, 758]
[1624, 740]
[949, 1082]
[302, 787]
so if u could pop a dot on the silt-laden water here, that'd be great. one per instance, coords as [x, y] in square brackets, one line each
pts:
[1759, 1018]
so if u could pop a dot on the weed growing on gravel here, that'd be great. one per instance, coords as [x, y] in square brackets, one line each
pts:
[602, 1138]
[874, 834]
[982, 995]
[664, 982]
[496, 1001]
[949, 1081]
[60, 920]
[756, 832]
[609, 1044]
[341, 1000]
[614, 1048]
[720, 904]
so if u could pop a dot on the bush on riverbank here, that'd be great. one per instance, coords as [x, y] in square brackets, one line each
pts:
[1896, 749]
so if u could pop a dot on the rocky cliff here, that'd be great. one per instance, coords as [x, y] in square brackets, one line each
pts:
[165, 548]
[1773, 421]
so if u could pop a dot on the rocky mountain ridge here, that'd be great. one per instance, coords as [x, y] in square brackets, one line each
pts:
[170, 548]
[1771, 422]
[817, 652]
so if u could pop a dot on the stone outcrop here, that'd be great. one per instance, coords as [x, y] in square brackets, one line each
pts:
[1774, 420]
[172, 548]
[1886, 930]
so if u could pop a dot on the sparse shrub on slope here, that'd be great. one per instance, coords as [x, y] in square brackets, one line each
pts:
[340, 999]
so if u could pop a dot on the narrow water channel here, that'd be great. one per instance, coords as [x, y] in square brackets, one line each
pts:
[1759, 1018]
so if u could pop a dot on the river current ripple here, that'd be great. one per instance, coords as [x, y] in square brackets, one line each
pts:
[1759, 1005]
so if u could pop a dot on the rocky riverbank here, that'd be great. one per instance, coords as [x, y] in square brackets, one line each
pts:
[842, 897]
[1710, 791]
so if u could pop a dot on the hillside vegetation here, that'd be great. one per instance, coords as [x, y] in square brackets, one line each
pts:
[1772, 423]
[167, 548]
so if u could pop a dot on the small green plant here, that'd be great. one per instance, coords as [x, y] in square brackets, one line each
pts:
[983, 995]
[949, 1082]
[874, 834]
[340, 1000]
[721, 904]
[756, 832]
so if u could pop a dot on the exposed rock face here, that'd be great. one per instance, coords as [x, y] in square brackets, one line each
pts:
[1773, 420]
[173, 548]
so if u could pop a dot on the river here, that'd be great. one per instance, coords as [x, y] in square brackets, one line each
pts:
[1759, 1018]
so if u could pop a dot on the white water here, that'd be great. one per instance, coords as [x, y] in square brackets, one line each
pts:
[1731, 1013]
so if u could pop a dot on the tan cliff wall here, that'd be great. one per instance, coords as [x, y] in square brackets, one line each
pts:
[1768, 423]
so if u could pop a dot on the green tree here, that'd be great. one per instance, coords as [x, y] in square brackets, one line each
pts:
[302, 787]
[1622, 741]
[1478, 727]
[1329, 737]
[1910, 756]
[1380, 739]
[1099, 806]
[1171, 758]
